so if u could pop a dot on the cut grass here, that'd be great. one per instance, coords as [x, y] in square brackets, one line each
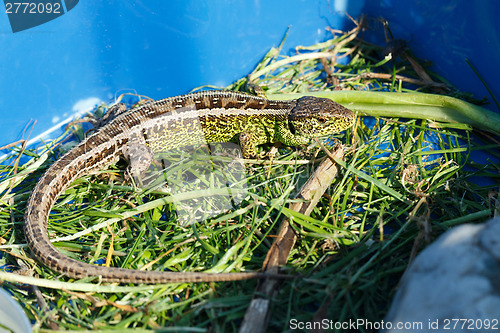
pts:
[404, 179]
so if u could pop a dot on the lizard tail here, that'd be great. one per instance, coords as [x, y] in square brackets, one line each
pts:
[57, 178]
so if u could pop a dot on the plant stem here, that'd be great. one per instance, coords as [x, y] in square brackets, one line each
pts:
[410, 105]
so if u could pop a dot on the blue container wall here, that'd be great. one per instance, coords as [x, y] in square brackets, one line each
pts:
[101, 49]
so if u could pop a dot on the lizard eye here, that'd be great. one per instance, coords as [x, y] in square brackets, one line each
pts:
[322, 120]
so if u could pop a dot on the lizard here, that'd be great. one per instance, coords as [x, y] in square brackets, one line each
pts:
[138, 133]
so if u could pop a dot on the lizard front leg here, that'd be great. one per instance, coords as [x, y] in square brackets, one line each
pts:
[249, 142]
[284, 135]
[139, 156]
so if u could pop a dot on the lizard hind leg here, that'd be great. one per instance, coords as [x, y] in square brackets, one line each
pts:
[112, 113]
[139, 157]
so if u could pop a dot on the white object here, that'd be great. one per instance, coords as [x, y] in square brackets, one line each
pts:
[12, 316]
[453, 284]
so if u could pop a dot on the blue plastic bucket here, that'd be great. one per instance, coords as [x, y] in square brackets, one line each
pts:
[100, 49]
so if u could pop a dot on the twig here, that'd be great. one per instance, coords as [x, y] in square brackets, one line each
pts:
[390, 77]
[258, 312]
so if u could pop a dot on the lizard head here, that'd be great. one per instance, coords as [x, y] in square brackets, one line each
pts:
[315, 117]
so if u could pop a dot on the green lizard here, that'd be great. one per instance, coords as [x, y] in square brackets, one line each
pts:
[191, 119]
